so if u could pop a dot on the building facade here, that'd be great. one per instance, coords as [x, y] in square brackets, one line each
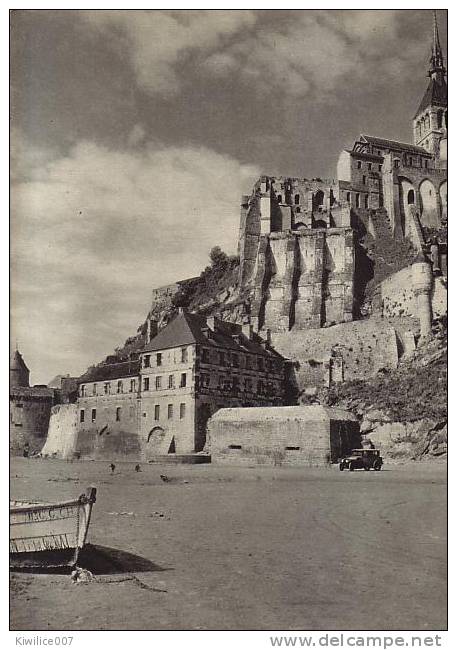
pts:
[194, 367]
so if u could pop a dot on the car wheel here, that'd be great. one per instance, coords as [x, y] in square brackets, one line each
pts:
[351, 467]
[377, 466]
[341, 467]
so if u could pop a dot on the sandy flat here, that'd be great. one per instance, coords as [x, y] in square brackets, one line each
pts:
[243, 548]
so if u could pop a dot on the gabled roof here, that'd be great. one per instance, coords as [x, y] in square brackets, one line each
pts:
[435, 95]
[184, 329]
[189, 329]
[393, 144]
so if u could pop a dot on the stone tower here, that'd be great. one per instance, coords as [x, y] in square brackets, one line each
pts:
[430, 121]
[19, 373]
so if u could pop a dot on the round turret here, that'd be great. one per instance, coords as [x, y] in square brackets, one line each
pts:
[19, 373]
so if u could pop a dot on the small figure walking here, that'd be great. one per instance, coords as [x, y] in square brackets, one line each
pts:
[112, 467]
[137, 468]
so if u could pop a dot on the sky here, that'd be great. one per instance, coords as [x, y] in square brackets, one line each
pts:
[135, 133]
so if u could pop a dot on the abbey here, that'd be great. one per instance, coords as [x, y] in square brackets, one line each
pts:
[298, 237]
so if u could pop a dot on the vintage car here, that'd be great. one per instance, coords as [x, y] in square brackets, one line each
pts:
[362, 459]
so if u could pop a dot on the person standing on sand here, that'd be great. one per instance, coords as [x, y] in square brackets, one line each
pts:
[112, 467]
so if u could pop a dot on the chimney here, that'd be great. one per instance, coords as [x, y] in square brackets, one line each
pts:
[266, 342]
[211, 322]
[152, 329]
[247, 330]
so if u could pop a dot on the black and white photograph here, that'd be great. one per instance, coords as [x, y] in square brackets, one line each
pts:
[228, 393]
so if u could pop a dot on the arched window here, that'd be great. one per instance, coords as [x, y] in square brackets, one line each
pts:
[439, 117]
[411, 197]
[279, 198]
[297, 199]
[427, 122]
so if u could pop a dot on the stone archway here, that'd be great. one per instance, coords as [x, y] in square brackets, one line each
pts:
[443, 200]
[429, 205]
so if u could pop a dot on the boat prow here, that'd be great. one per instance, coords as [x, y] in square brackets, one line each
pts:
[49, 534]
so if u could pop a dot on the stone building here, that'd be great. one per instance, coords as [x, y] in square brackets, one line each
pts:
[160, 401]
[108, 411]
[30, 409]
[195, 366]
[298, 237]
[291, 435]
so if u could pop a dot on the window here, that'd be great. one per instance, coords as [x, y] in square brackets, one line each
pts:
[366, 201]
[184, 355]
[396, 163]
[94, 415]
[120, 387]
[411, 161]
[159, 358]
[132, 385]
[147, 361]
[107, 388]
[426, 163]
[292, 448]
[357, 200]
[170, 411]
[248, 384]
[205, 380]
[235, 360]
[182, 411]
[183, 381]
[380, 168]
[82, 390]
[171, 381]
[234, 446]
[158, 383]
[359, 164]
[157, 412]
[222, 358]
[279, 197]
[94, 389]
[364, 180]
[297, 199]
[348, 197]
[369, 166]
[247, 362]
[118, 414]
[146, 383]
[260, 387]
[81, 415]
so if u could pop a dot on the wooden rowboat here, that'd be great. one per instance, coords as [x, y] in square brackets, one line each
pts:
[49, 534]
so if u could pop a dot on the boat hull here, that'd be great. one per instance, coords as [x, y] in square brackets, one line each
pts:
[49, 535]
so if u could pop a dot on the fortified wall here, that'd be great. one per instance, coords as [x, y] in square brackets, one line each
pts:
[296, 251]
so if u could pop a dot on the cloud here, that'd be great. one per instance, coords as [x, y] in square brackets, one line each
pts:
[95, 231]
[317, 53]
[156, 41]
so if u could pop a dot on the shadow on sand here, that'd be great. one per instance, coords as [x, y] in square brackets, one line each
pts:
[102, 560]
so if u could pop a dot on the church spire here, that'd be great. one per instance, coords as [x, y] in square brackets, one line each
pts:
[437, 68]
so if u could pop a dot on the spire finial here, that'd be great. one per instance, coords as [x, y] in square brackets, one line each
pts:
[436, 60]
